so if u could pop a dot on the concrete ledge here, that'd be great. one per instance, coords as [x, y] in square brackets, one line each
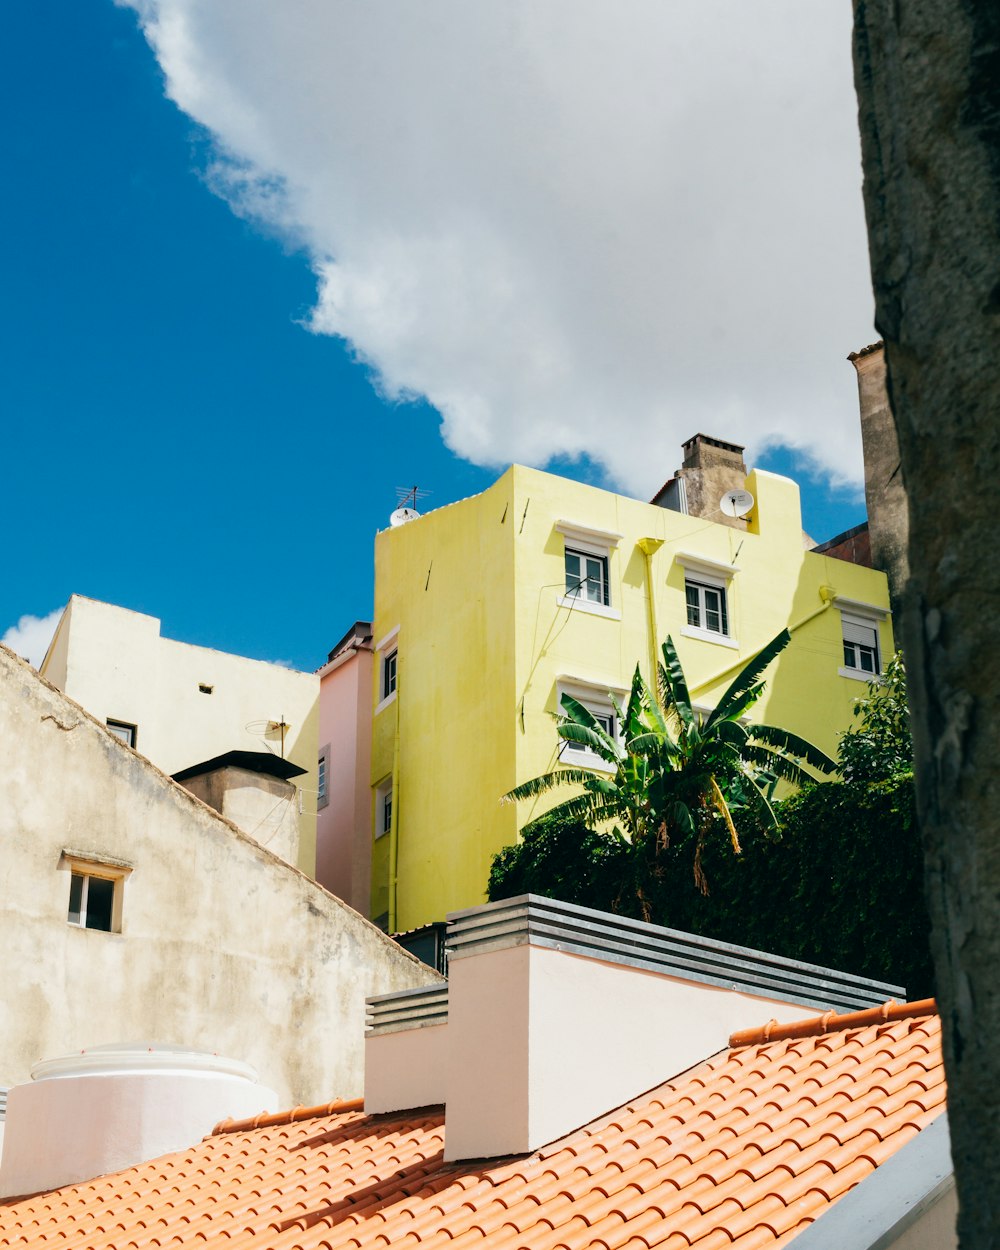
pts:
[532, 920]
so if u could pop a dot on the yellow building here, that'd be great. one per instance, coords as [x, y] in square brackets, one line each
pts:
[487, 610]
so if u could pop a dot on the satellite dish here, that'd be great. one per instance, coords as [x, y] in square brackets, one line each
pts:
[736, 503]
[402, 515]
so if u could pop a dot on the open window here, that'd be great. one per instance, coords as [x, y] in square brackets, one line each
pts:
[96, 891]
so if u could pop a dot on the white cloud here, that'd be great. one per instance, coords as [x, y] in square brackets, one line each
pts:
[575, 227]
[31, 636]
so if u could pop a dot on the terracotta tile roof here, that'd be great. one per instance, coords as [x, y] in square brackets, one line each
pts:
[743, 1152]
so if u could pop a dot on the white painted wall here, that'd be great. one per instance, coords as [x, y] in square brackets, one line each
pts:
[88, 1115]
[560, 1039]
[115, 663]
[223, 946]
[406, 1069]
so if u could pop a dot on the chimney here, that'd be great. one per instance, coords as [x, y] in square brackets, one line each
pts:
[254, 790]
[885, 495]
[555, 1013]
[111, 1107]
[711, 468]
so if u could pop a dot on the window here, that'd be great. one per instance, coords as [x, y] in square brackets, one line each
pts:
[597, 701]
[861, 658]
[322, 776]
[587, 569]
[383, 808]
[122, 729]
[387, 668]
[706, 607]
[204, 688]
[586, 577]
[389, 675]
[96, 889]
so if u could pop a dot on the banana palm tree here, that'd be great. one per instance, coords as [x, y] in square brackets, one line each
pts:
[677, 774]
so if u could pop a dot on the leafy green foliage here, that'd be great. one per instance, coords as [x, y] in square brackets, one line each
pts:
[677, 776]
[843, 886]
[880, 747]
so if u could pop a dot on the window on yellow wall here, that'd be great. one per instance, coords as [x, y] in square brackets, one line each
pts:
[383, 808]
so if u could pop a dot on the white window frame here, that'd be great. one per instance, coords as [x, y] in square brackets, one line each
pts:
[596, 698]
[103, 868]
[387, 648]
[701, 572]
[383, 791]
[584, 541]
[864, 616]
[323, 778]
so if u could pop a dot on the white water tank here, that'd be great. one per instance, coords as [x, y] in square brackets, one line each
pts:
[111, 1107]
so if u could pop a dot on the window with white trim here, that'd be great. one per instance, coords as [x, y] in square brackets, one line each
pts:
[387, 668]
[383, 808]
[586, 576]
[861, 653]
[587, 569]
[598, 703]
[389, 673]
[707, 601]
[706, 607]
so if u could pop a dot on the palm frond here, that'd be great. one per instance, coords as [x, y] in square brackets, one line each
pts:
[546, 782]
[748, 675]
[792, 744]
[595, 740]
[780, 766]
[675, 690]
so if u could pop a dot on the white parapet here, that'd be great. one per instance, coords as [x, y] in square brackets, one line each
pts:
[108, 1108]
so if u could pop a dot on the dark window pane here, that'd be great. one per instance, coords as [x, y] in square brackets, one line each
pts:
[849, 661]
[75, 897]
[573, 573]
[100, 903]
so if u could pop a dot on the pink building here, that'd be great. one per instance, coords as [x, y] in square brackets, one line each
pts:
[343, 820]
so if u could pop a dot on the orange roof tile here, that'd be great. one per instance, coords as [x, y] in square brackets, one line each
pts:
[742, 1152]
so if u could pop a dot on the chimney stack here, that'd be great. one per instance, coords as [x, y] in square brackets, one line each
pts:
[711, 468]
[553, 1013]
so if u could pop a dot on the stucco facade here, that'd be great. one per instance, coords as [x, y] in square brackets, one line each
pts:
[343, 818]
[472, 601]
[187, 704]
[221, 946]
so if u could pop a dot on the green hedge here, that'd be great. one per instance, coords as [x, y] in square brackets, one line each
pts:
[843, 887]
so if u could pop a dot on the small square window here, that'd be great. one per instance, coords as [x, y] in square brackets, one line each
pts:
[122, 729]
[383, 808]
[586, 576]
[96, 892]
[204, 688]
[706, 607]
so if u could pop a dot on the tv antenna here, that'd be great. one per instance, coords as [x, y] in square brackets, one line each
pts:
[736, 503]
[406, 504]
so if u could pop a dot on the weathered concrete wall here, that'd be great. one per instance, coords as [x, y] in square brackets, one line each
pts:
[264, 807]
[223, 946]
[116, 664]
[885, 497]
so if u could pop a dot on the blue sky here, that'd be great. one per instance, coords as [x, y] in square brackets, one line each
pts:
[175, 440]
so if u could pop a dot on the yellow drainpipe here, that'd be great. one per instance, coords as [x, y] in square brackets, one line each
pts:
[648, 547]
[394, 819]
[827, 594]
